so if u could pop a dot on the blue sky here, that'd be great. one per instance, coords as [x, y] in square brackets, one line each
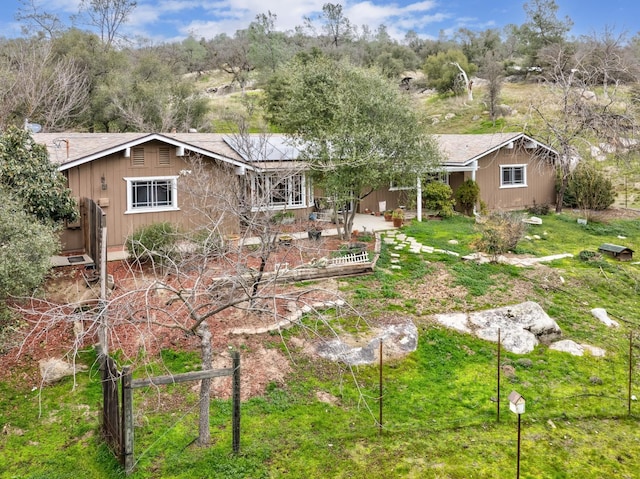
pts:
[169, 20]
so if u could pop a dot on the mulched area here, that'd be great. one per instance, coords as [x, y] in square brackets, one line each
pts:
[43, 337]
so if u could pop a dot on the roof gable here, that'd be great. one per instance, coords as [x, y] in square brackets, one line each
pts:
[462, 150]
[68, 150]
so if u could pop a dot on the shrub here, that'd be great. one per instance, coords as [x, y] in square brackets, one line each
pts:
[501, 232]
[538, 210]
[26, 247]
[588, 189]
[467, 196]
[437, 197]
[151, 242]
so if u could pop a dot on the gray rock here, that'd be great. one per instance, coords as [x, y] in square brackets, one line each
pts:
[54, 369]
[571, 347]
[601, 315]
[397, 340]
[568, 346]
[522, 326]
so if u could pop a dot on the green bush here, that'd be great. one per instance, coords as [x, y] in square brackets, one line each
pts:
[437, 197]
[151, 242]
[467, 196]
[588, 189]
[26, 247]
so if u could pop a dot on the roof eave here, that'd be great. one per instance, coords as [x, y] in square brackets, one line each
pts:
[145, 139]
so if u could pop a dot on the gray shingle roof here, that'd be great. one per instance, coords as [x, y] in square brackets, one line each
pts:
[69, 149]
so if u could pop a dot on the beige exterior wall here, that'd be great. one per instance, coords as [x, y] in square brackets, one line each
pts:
[540, 180]
[539, 189]
[392, 198]
[87, 181]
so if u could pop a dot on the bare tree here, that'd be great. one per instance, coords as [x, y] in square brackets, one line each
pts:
[206, 276]
[608, 60]
[44, 88]
[36, 19]
[492, 71]
[573, 115]
[107, 16]
[463, 78]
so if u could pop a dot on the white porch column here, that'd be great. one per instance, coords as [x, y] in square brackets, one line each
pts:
[419, 198]
[473, 177]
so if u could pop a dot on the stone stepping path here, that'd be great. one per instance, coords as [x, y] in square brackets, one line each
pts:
[401, 242]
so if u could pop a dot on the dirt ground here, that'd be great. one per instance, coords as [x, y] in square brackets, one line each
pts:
[262, 363]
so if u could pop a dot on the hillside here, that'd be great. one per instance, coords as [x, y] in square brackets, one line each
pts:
[445, 115]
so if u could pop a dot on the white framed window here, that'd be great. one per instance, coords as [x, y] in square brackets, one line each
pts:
[272, 190]
[513, 176]
[152, 194]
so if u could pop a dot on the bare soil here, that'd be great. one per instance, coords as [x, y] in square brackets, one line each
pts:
[262, 362]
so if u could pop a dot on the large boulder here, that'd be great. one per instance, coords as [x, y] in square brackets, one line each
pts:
[397, 340]
[522, 326]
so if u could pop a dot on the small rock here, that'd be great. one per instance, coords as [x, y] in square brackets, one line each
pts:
[54, 369]
[508, 371]
[601, 315]
[453, 241]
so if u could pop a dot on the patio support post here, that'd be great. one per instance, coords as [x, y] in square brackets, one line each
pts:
[473, 177]
[419, 198]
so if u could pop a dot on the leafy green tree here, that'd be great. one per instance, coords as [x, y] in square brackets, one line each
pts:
[475, 45]
[268, 47]
[193, 55]
[337, 27]
[27, 173]
[542, 29]
[149, 96]
[26, 247]
[443, 71]
[356, 129]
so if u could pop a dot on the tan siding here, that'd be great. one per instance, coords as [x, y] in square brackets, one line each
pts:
[86, 181]
[540, 185]
[392, 198]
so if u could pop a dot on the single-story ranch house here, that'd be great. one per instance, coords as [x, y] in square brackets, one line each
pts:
[135, 177]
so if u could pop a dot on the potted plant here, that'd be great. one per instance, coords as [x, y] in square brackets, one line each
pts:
[314, 233]
[387, 215]
[398, 217]
[285, 240]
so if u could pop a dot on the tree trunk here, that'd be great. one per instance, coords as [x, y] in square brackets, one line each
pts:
[204, 433]
[468, 84]
[560, 194]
